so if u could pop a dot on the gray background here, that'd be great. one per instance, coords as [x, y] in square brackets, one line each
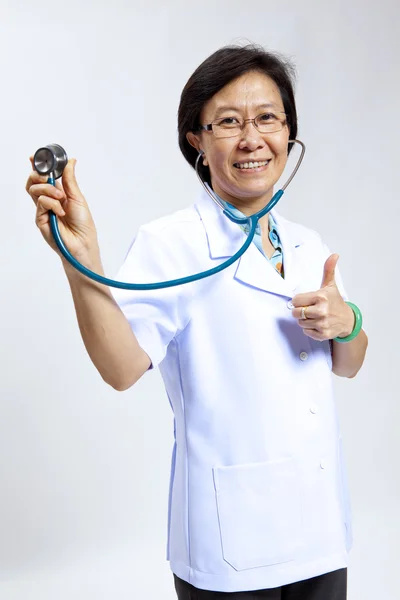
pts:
[84, 469]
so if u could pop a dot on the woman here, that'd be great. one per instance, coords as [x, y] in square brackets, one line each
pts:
[258, 497]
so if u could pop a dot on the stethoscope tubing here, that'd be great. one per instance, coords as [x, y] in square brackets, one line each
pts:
[251, 221]
[146, 286]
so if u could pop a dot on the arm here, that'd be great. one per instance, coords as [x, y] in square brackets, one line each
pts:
[106, 333]
[347, 359]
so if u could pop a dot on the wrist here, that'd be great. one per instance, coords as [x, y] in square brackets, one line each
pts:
[350, 322]
[90, 260]
[357, 325]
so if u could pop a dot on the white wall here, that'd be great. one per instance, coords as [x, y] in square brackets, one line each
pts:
[84, 469]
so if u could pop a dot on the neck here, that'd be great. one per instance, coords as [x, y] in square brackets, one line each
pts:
[248, 205]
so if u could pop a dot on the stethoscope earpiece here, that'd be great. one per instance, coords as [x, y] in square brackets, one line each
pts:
[50, 160]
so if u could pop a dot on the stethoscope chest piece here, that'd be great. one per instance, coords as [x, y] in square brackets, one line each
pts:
[50, 160]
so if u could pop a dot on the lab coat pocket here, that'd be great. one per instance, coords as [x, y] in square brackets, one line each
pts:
[259, 512]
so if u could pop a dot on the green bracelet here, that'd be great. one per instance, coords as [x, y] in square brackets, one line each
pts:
[357, 325]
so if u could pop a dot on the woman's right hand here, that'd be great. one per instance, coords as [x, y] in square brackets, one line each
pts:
[76, 225]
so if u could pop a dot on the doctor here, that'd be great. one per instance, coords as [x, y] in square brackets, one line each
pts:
[258, 502]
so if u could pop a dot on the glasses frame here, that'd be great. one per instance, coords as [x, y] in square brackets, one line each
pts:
[209, 126]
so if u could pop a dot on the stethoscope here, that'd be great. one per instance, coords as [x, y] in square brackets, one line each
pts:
[51, 160]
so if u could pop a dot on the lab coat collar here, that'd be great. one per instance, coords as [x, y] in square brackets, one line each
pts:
[225, 238]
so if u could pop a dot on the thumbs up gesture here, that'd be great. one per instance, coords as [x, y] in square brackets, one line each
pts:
[324, 315]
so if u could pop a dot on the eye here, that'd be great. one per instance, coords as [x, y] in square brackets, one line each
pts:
[228, 122]
[267, 117]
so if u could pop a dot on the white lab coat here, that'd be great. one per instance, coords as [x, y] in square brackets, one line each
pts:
[258, 489]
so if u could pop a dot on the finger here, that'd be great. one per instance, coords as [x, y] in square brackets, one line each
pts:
[309, 324]
[306, 299]
[36, 177]
[69, 181]
[44, 204]
[329, 270]
[315, 335]
[311, 312]
[45, 189]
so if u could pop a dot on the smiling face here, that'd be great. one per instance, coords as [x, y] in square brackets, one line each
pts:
[246, 97]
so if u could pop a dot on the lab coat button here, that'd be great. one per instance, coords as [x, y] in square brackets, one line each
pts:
[303, 355]
[290, 305]
[323, 464]
[313, 409]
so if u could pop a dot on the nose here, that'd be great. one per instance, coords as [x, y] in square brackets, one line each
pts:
[250, 137]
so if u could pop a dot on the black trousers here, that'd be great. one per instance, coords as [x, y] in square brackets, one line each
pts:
[330, 586]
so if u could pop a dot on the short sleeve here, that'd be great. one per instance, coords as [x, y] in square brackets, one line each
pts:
[155, 316]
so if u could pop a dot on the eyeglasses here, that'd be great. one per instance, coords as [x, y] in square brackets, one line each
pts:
[231, 126]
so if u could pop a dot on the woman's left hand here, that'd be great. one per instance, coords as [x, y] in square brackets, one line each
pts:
[327, 314]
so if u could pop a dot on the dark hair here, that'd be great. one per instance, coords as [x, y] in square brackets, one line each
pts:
[219, 69]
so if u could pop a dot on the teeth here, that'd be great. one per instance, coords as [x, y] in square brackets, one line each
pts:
[251, 165]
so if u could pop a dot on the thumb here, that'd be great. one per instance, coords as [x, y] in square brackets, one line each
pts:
[329, 270]
[69, 181]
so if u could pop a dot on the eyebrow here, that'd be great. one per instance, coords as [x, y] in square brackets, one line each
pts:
[222, 109]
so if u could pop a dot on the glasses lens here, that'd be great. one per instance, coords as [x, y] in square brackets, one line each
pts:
[270, 122]
[226, 127]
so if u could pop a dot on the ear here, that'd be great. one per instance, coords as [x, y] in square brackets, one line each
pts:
[194, 141]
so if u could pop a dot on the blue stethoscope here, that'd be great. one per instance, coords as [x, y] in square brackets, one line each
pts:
[51, 160]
